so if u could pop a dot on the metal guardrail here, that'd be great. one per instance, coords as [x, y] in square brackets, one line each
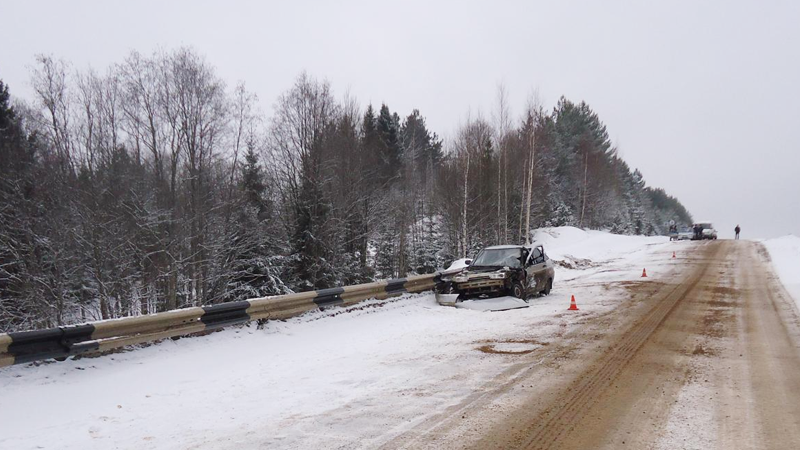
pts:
[96, 337]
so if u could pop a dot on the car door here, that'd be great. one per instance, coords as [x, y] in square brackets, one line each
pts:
[537, 270]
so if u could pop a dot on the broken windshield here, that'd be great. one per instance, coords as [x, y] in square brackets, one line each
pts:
[501, 257]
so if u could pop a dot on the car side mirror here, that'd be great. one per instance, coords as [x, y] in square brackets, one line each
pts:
[467, 261]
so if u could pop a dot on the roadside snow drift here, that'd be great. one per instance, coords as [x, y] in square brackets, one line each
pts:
[344, 377]
[785, 255]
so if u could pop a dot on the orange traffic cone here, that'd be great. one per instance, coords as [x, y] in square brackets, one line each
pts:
[572, 305]
[673, 254]
[644, 273]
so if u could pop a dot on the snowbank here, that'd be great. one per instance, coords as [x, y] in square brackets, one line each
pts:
[785, 255]
[588, 253]
[597, 246]
[344, 377]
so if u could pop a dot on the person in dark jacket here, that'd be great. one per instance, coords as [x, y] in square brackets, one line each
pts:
[737, 230]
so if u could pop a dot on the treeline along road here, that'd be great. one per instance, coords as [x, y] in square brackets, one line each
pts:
[151, 185]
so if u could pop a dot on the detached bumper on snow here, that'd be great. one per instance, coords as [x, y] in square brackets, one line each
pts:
[446, 299]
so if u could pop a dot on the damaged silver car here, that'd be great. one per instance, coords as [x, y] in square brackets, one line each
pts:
[517, 270]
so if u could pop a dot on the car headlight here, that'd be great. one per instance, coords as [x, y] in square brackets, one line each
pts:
[498, 276]
[461, 279]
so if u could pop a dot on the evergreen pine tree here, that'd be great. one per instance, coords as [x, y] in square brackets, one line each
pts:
[388, 127]
[255, 258]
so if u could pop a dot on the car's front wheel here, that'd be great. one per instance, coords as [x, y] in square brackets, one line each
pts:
[518, 291]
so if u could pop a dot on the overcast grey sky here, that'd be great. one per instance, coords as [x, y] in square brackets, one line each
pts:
[702, 97]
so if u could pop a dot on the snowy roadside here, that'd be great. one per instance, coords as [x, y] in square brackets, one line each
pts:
[316, 381]
[785, 255]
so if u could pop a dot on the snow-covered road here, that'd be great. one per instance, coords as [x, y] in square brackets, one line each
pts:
[342, 378]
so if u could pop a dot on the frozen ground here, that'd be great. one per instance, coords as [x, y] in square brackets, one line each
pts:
[341, 378]
[785, 255]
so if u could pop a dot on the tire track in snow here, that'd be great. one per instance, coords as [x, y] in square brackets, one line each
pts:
[553, 425]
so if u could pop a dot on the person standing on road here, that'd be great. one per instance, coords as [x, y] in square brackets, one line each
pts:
[737, 230]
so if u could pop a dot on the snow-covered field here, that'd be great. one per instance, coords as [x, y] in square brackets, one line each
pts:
[352, 377]
[785, 255]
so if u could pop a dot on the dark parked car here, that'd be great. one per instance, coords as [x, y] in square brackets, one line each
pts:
[516, 270]
[706, 231]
